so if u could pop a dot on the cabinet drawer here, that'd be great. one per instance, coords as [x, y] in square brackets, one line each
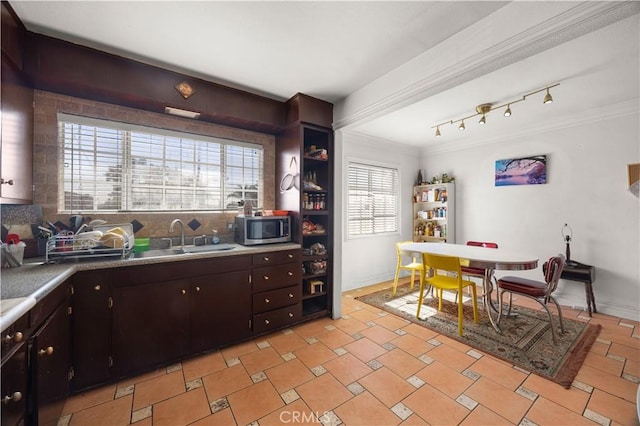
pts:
[277, 318]
[274, 299]
[276, 257]
[271, 277]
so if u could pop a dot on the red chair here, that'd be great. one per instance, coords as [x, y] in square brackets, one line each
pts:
[478, 272]
[536, 290]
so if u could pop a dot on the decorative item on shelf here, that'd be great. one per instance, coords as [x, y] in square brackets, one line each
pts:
[310, 181]
[567, 235]
[318, 249]
[316, 267]
[316, 153]
[419, 179]
[445, 178]
[484, 109]
[315, 286]
[310, 228]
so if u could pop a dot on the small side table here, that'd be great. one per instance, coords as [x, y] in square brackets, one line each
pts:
[582, 273]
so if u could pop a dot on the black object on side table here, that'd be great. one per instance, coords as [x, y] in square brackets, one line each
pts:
[576, 271]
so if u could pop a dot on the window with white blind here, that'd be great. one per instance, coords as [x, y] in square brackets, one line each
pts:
[373, 197]
[112, 166]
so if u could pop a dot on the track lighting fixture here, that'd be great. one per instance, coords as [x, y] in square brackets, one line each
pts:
[484, 109]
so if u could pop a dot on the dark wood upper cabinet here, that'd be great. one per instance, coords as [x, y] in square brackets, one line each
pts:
[58, 66]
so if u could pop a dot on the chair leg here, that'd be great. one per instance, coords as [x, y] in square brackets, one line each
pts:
[500, 294]
[553, 329]
[422, 283]
[413, 276]
[395, 280]
[559, 314]
[474, 299]
[460, 312]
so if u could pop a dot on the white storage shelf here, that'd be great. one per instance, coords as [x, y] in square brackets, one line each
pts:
[434, 212]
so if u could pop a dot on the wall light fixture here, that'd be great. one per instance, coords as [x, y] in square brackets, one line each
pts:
[484, 109]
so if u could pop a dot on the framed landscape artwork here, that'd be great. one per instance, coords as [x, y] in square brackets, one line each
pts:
[522, 171]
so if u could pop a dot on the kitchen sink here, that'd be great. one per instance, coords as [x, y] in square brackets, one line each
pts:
[183, 250]
[158, 253]
[207, 248]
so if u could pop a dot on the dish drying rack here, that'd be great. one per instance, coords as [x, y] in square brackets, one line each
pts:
[62, 247]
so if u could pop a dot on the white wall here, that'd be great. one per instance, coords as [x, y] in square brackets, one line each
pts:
[369, 260]
[587, 177]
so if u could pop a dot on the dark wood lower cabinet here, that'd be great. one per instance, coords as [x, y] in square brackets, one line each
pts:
[150, 325]
[49, 357]
[14, 387]
[220, 310]
[91, 329]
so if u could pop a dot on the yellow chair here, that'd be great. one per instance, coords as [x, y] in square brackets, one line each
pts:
[414, 265]
[441, 279]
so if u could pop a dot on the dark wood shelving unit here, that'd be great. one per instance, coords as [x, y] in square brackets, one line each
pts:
[310, 133]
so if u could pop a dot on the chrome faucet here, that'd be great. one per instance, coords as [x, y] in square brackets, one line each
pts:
[181, 230]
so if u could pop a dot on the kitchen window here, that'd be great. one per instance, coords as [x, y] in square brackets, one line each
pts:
[372, 199]
[112, 166]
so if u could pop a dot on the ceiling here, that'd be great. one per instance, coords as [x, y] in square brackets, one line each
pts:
[333, 50]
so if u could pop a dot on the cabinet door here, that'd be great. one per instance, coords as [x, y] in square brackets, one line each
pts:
[50, 356]
[90, 329]
[16, 136]
[14, 387]
[220, 310]
[150, 325]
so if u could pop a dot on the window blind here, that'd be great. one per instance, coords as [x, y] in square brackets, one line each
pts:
[372, 199]
[111, 166]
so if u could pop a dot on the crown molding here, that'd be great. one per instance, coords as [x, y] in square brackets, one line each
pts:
[352, 136]
[575, 22]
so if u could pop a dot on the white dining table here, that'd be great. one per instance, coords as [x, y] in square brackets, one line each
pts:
[489, 259]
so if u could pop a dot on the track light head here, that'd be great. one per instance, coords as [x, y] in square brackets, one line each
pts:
[547, 98]
[507, 112]
[437, 131]
[461, 126]
[483, 120]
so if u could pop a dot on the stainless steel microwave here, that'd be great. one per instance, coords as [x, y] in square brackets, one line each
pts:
[254, 230]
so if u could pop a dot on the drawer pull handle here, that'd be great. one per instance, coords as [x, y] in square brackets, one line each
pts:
[266, 300]
[97, 287]
[17, 396]
[48, 351]
[16, 338]
[266, 277]
[290, 256]
[183, 291]
[266, 258]
[290, 273]
[266, 322]
[290, 315]
[197, 288]
[290, 295]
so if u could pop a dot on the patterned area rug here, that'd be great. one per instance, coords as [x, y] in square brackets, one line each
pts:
[525, 341]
